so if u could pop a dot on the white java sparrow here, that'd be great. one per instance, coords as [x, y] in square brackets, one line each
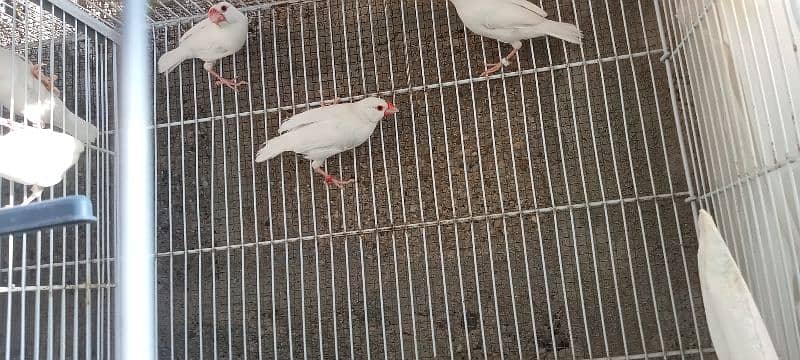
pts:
[324, 132]
[734, 322]
[34, 97]
[511, 21]
[40, 156]
[221, 34]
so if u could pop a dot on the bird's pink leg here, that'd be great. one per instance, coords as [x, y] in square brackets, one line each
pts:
[231, 83]
[332, 180]
[47, 81]
[493, 68]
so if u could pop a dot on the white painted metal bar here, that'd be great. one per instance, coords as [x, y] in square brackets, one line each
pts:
[135, 299]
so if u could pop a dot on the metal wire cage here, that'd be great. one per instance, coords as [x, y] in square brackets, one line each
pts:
[56, 287]
[544, 212]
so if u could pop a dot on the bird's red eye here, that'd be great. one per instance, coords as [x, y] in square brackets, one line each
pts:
[380, 107]
[224, 8]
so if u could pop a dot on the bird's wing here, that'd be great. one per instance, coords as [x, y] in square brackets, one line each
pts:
[200, 28]
[42, 155]
[313, 116]
[509, 14]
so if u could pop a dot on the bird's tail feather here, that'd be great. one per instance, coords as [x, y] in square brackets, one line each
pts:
[563, 31]
[72, 124]
[171, 59]
[273, 148]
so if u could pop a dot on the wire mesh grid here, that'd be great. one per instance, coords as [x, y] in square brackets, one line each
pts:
[735, 65]
[541, 213]
[56, 286]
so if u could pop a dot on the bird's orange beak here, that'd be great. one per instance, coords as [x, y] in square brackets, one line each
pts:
[215, 16]
[390, 109]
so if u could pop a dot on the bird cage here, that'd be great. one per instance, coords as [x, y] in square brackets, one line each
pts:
[544, 211]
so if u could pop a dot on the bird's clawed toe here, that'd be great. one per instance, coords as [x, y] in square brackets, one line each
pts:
[333, 181]
[231, 83]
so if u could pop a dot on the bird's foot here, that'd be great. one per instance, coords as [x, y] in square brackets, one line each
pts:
[493, 68]
[231, 83]
[47, 81]
[333, 181]
[331, 102]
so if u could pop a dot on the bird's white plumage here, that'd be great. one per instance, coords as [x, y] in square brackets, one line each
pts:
[734, 322]
[323, 132]
[512, 21]
[208, 41]
[27, 95]
[40, 156]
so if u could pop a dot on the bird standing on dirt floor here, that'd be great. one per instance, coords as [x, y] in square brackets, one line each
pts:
[221, 34]
[28, 92]
[40, 156]
[324, 132]
[511, 21]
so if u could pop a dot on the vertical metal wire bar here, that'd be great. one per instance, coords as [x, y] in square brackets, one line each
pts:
[435, 191]
[75, 229]
[297, 177]
[328, 192]
[585, 195]
[386, 177]
[184, 228]
[155, 175]
[372, 181]
[317, 239]
[200, 347]
[606, 216]
[135, 319]
[87, 181]
[241, 212]
[240, 191]
[273, 21]
[227, 212]
[24, 237]
[97, 302]
[210, 85]
[669, 172]
[256, 222]
[694, 182]
[505, 225]
[168, 153]
[450, 190]
[286, 249]
[652, 181]
[63, 322]
[468, 197]
[10, 252]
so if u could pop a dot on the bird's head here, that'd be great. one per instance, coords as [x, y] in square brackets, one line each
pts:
[224, 12]
[375, 109]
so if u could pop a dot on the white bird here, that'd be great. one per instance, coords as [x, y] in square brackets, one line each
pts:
[40, 156]
[511, 21]
[324, 132]
[221, 34]
[34, 97]
[734, 322]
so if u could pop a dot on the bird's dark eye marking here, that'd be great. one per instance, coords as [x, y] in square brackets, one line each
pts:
[380, 108]
[224, 8]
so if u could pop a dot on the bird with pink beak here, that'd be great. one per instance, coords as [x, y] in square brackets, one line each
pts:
[222, 33]
[323, 132]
